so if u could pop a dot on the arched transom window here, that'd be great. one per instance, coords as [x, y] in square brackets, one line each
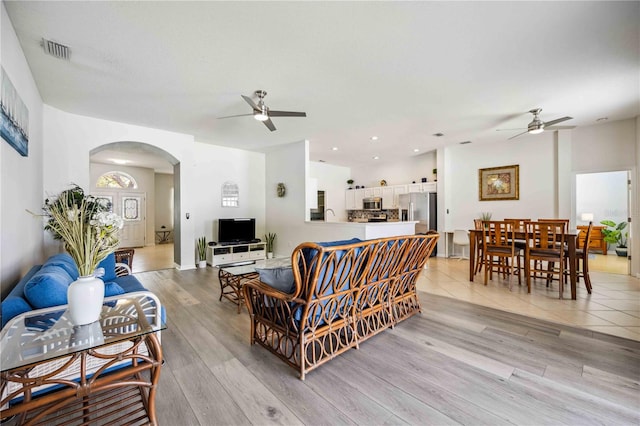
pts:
[117, 179]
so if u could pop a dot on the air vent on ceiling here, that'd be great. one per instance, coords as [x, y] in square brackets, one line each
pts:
[57, 50]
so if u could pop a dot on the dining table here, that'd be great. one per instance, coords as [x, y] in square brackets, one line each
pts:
[571, 238]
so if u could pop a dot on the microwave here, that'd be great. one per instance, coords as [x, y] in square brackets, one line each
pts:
[372, 203]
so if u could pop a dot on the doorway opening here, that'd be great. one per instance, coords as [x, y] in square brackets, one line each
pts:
[605, 196]
[148, 200]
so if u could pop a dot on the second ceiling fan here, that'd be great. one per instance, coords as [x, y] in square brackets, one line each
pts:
[262, 113]
[538, 126]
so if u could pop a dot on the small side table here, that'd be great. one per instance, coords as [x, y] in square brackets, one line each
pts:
[107, 371]
[163, 236]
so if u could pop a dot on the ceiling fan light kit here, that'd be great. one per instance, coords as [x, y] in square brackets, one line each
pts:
[262, 113]
[538, 126]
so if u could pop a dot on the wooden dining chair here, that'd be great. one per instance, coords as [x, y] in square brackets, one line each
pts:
[498, 241]
[582, 259]
[545, 243]
[479, 257]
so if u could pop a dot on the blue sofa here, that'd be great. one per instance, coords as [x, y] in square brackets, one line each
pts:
[46, 285]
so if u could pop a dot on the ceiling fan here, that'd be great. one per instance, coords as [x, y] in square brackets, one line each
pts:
[262, 113]
[538, 126]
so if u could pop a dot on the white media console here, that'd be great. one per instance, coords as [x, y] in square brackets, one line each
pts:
[236, 253]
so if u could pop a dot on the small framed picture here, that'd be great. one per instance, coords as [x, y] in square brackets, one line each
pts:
[499, 183]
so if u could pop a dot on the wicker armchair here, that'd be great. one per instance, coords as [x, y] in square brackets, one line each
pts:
[124, 261]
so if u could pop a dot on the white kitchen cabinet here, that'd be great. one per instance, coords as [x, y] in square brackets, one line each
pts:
[388, 197]
[375, 191]
[350, 199]
[359, 195]
[430, 187]
[414, 187]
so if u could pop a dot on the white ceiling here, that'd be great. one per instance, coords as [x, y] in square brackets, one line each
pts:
[398, 70]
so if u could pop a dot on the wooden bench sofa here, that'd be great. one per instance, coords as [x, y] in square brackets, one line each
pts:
[343, 293]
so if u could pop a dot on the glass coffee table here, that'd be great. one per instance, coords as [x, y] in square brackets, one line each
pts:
[232, 277]
[107, 372]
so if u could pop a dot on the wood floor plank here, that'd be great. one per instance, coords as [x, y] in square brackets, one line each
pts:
[450, 365]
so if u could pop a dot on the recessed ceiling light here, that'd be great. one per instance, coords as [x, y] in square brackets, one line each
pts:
[374, 138]
[464, 142]
[335, 148]
[438, 134]
[119, 161]
[602, 119]
[376, 158]
[416, 150]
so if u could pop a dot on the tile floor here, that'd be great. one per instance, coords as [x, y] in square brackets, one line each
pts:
[612, 308]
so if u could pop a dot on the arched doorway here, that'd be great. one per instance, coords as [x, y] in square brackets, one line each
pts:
[152, 205]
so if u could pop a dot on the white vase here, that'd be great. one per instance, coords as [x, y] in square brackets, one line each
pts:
[270, 255]
[85, 296]
[202, 264]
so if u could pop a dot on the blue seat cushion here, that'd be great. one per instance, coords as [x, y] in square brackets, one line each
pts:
[278, 278]
[129, 283]
[66, 262]
[109, 265]
[13, 306]
[112, 289]
[48, 287]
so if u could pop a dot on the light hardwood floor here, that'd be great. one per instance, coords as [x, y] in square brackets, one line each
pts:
[613, 307]
[456, 363]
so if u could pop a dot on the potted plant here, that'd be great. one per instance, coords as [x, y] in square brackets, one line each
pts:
[350, 182]
[201, 245]
[613, 234]
[269, 239]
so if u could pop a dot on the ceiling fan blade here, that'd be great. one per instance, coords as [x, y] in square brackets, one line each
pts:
[511, 130]
[519, 134]
[559, 127]
[556, 121]
[250, 102]
[231, 116]
[286, 114]
[269, 124]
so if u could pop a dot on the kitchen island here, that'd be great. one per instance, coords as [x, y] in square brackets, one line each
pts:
[331, 231]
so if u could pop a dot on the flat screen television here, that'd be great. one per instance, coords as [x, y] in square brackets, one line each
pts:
[236, 230]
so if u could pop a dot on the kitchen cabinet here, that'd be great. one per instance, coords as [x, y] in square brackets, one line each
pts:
[373, 192]
[350, 199]
[389, 194]
[388, 197]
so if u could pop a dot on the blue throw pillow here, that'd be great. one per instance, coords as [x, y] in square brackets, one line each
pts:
[278, 278]
[109, 265]
[48, 287]
[112, 289]
[13, 306]
[66, 262]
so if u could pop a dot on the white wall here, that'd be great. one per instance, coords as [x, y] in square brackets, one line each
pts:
[396, 173]
[285, 215]
[163, 207]
[69, 138]
[216, 165]
[535, 154]
[145, 178]
[21, 177]
[333, 181]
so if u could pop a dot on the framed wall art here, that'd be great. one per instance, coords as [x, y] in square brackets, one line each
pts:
[14, 116]
[499, 183]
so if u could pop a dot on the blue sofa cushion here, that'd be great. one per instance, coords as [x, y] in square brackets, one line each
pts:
[109, 265]
[66, 262]
[48, 287]
[278, 278]
[112, 289]
[129, 284]
[13, 306]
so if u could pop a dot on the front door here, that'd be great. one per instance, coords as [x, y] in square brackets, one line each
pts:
[131, 206]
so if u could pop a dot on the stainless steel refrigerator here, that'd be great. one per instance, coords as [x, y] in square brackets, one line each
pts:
[422, 207]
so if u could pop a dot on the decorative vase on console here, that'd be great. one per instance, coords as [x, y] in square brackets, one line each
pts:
[90, 233]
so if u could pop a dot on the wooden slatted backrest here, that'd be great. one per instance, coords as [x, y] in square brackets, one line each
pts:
[565, 223]
[546, 234]
[497, 233]
[518, 223]
[587, 239]
[477, 223]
